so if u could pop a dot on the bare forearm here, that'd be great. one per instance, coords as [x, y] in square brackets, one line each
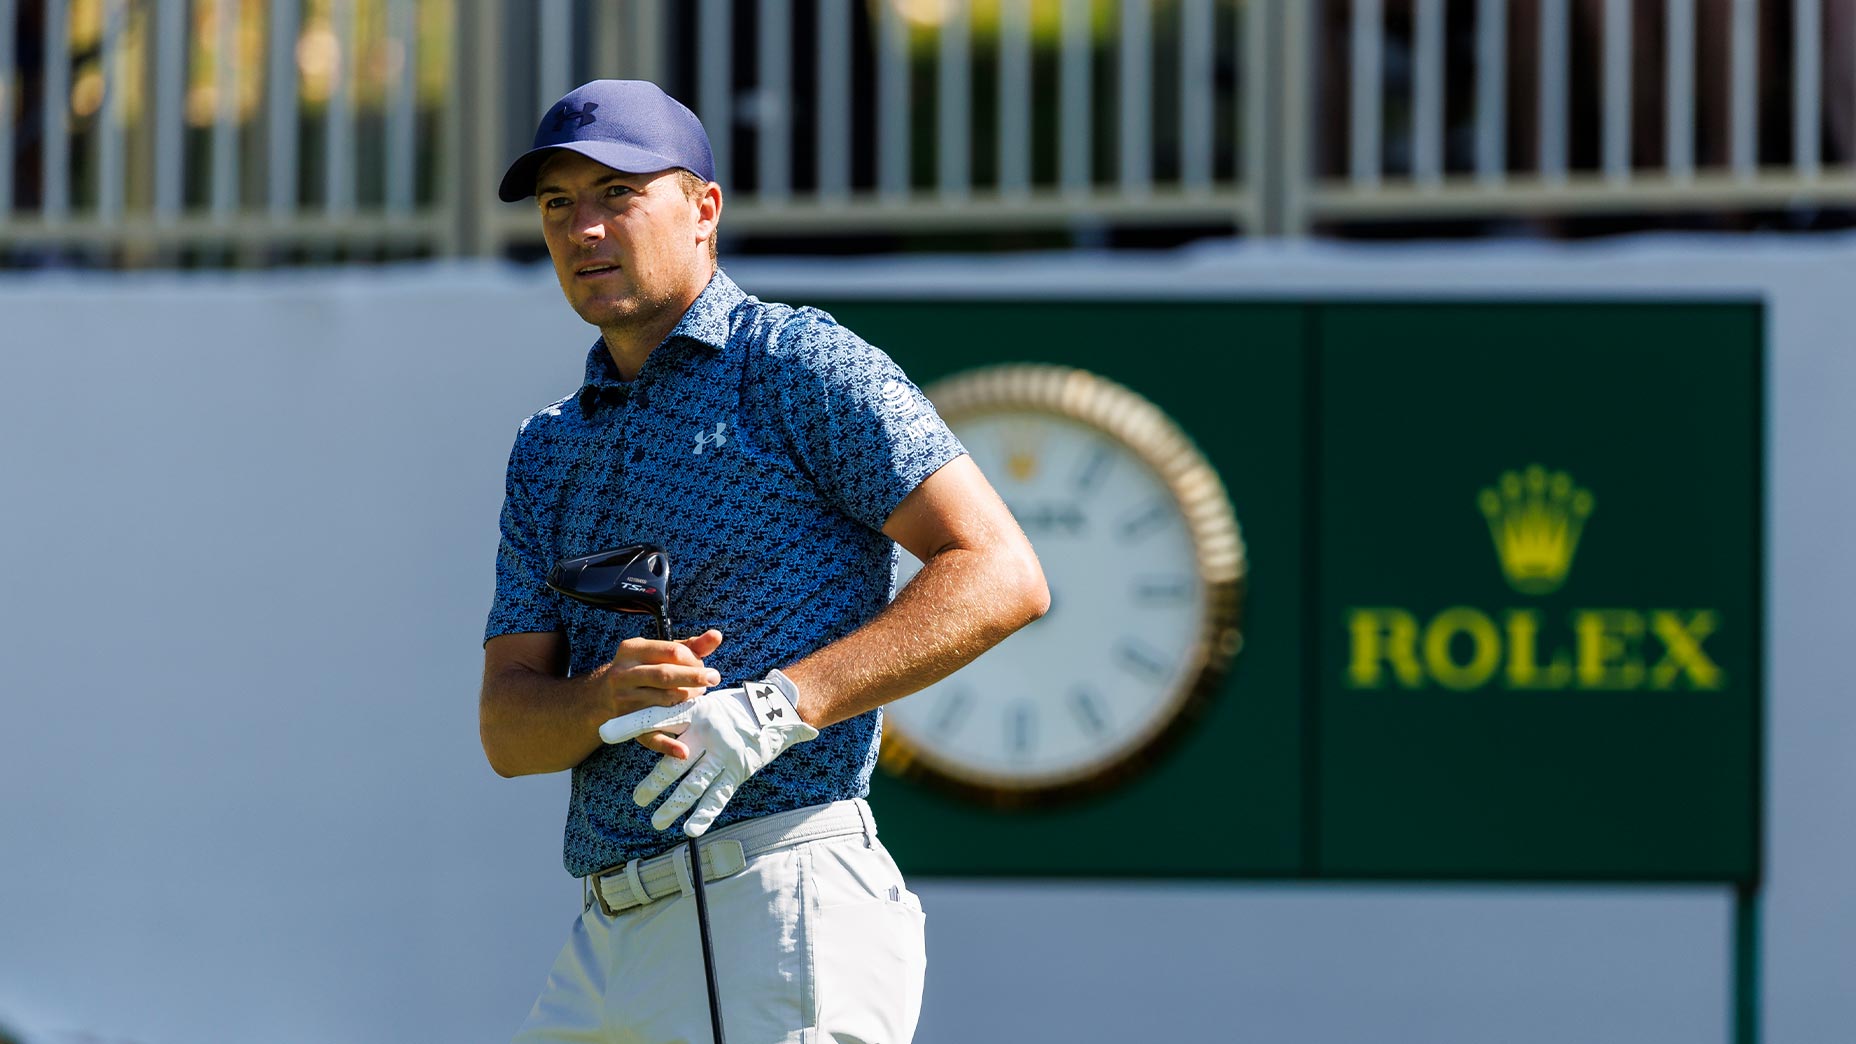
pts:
[532, 718]
[962, 603]
[532, 722]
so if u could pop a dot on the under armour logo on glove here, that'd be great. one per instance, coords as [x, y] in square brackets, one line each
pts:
[718, 440]
[580, 117]
[768, 702]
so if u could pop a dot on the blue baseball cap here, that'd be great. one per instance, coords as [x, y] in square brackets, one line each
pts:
[629, 125]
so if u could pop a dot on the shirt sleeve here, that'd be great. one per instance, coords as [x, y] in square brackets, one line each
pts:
[524, 602]
[864, 431]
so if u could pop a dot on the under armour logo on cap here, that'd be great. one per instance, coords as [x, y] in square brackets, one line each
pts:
[580, 117]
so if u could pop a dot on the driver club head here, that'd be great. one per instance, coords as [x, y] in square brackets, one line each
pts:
[631, 579]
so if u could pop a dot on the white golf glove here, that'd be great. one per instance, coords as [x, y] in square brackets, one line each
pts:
[731, 734]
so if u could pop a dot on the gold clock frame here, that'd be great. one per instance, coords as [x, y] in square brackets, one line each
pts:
[1129, 418]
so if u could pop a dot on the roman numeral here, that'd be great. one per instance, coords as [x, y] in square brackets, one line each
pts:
[1093, 469]
[952, 711]
[1087, 707]
[1018, 732]
[1154, 516]
[1141, 660]
[1162, 590]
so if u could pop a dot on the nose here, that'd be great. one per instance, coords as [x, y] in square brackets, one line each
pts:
[589, 223]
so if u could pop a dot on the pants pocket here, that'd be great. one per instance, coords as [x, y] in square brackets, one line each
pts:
[869, 945]
[868, 964]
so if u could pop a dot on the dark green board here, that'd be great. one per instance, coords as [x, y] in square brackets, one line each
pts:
[1355, 439]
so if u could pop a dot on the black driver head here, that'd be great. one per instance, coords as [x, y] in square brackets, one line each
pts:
[632, 579]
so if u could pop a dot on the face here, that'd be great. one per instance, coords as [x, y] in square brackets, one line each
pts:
[626, 247]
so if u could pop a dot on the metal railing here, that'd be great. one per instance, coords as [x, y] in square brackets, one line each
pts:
[1586, 107]
[852, 116]
[259, 131]
[148, 131]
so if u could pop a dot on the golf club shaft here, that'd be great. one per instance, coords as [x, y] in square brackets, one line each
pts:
[700, 890]
[708, 948]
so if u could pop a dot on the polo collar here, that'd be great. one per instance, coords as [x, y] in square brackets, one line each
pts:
[705, 323]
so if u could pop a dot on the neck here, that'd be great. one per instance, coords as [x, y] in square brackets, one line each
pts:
[630, 344]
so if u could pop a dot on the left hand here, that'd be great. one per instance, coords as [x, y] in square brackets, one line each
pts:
[730, 733]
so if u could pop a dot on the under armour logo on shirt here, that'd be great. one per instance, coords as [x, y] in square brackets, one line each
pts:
[718, 440]
[580, 117]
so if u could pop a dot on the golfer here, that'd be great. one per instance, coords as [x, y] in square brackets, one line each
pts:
[778, 459]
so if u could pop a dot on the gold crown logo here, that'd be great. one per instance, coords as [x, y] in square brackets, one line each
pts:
[1535, 518]
[1024, 445]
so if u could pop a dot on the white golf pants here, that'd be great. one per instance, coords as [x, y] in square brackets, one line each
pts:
[816, 938]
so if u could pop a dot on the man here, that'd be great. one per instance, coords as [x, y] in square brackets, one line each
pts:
[778, 459]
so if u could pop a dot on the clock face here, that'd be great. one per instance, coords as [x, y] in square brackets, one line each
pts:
[1141, 553]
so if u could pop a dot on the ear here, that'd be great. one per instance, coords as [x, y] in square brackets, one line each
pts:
[708, 212]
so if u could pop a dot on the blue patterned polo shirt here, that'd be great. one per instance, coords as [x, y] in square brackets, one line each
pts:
[763, 447]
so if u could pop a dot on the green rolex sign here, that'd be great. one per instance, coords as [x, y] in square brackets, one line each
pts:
[1501, 610]
[1539, 583]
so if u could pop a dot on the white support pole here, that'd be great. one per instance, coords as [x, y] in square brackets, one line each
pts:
[1743, 133]
[109, 115]
[9, 100]
[1807, 88]
[954, 104]
[1427, 127]
[892, 105]
[480, 77]
[834, 100]
[1074, 131]
[553, 51]
[611, 34]
[402, 102]
[1014, 98]
[224, 185]
[715, 88]
[1555, 28]
[1363, 112]
[1293, 216]
[1261, 168]
[773, 176]
[1135, 110]
[338, 120]
[170, 110]
[55, 150]
[1491, 91]
[1617, 90]
[1196, 55]
[1679, 90]
[648, 42]
[283, 110]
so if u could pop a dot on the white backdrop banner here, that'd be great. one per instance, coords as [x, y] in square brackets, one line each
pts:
[247, 545]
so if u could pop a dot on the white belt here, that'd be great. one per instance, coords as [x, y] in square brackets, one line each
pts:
[726, 852]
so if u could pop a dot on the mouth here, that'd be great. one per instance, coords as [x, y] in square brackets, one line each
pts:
[593, 271]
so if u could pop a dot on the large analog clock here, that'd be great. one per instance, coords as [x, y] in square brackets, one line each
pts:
[1145, 564]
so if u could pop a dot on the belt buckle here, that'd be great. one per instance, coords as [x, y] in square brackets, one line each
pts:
[599, 894]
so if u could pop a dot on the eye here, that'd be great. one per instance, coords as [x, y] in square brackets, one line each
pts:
[554, 202]
[618, 190]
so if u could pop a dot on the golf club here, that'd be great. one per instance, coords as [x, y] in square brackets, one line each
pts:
[636, 579]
